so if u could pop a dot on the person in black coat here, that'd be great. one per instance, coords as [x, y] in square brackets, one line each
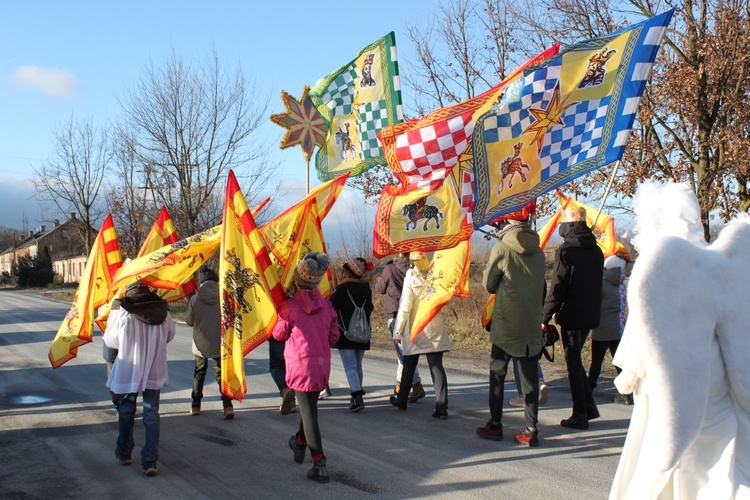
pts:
[574, 299]
[354, 290]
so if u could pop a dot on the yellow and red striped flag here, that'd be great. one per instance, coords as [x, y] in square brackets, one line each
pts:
[448, 277]
[250, 290]
[297, 231]
[77, 328]
[604, 230]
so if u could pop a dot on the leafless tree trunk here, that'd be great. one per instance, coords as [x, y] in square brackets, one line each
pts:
[71, 179]
[190, 124]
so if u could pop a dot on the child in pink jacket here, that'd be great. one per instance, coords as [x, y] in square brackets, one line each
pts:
[308, 324]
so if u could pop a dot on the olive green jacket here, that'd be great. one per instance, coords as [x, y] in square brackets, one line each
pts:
[515, 274]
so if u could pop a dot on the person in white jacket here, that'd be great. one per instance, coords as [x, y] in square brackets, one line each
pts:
[139, 327]
[432, 341]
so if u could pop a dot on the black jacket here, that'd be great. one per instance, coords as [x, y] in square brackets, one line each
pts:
[575, 291]
[342, 304]
[390, 282]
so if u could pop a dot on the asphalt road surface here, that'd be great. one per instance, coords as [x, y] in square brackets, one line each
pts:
[58, 430]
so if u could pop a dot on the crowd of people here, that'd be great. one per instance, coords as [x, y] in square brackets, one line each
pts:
[586, 294]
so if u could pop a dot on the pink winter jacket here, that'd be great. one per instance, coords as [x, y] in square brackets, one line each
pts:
[310, 328]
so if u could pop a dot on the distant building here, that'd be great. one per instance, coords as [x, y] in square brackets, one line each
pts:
[64, 245]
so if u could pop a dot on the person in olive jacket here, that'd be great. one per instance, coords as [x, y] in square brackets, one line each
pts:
[515, 274]
[354, 290]
[574, 299]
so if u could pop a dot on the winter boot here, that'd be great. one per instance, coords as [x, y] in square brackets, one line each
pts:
[417, 393]
[357, 401]
[318, 472]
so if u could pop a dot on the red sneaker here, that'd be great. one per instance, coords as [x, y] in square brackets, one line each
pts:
[492, 432]
[527, 438]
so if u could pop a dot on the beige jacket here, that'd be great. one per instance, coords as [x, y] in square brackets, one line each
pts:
[434, 337]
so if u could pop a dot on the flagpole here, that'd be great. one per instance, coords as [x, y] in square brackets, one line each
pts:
[307, 175]
[606, 192]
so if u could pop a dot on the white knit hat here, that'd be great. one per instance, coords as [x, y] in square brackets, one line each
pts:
[614, 261]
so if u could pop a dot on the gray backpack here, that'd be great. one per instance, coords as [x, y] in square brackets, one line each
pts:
[358, 329]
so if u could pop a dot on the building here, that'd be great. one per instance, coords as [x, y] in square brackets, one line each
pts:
[64, 245]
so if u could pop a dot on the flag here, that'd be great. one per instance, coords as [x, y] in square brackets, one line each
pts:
[297, 230]
[604, 230]
[172, 265]
[562, 119]
[77, 328]
[162, 234]
[431, 157]
[357, 101]
[448, 277]
[250, 290]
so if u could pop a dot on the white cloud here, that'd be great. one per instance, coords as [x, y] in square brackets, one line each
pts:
[54, 82]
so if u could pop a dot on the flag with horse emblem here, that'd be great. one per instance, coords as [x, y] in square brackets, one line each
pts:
[250, 291]
[431, 157]
[565, 118]
[77, 328]
[357, 101]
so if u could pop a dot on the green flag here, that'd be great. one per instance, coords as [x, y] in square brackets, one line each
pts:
[357, 100]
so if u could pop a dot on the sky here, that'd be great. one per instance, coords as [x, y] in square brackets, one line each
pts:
[63, 59]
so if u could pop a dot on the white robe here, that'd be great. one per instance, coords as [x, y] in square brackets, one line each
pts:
[684, 355]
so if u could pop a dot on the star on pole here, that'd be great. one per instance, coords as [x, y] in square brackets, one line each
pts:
[303, 123]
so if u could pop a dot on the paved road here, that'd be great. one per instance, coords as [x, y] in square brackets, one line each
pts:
[58, 429]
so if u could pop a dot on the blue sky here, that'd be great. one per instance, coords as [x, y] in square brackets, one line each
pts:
[62, 58]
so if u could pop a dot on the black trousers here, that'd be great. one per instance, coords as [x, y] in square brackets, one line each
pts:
[528, 373]
[439, 379]
[598, 350]
[580, 389]
[199, 377]
[309, 430]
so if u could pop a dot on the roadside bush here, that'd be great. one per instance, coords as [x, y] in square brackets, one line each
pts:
[34, 271]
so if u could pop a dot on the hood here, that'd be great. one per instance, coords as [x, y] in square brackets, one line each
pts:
[523, 240]
[208, 292]
[309, 300]
[402, 264]
[578, 233]
[147, 307]
[612, 276]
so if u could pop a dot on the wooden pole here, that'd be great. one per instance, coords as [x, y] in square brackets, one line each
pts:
[307, 175]
[606, 192]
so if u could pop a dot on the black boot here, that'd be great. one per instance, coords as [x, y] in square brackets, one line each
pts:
[357, 401]
[318, 472]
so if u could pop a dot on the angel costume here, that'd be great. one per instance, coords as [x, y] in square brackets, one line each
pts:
[684, 355]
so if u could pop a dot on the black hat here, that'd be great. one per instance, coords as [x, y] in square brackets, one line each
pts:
[205, 273]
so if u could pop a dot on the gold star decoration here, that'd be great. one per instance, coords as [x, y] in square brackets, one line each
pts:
[547, 118]
[303, 123]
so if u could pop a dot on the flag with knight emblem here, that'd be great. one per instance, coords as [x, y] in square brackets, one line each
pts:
[250, 290]
[562, 119]
[431, 157]
[77, 328]
[357, 101]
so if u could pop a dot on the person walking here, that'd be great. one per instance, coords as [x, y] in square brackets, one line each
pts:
[433, 341]
[277, 369]
[390, 283]
[139, 327]
[612, 323]
[204, 315]
[515, 274]
[308, 325]
[353, 291]
[574, 300]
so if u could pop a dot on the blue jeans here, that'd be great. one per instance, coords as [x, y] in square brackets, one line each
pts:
[518, 377]
[125, 443]
[352, 361]
[400, 355]
[276, 363]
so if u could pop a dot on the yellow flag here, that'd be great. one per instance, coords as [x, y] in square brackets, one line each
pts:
[448, 277]
[250, 290]
[78, 326]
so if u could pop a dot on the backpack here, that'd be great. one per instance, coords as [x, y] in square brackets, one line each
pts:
[358, 329]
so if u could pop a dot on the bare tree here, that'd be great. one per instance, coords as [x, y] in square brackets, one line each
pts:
[190, 124]
[71, 179]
